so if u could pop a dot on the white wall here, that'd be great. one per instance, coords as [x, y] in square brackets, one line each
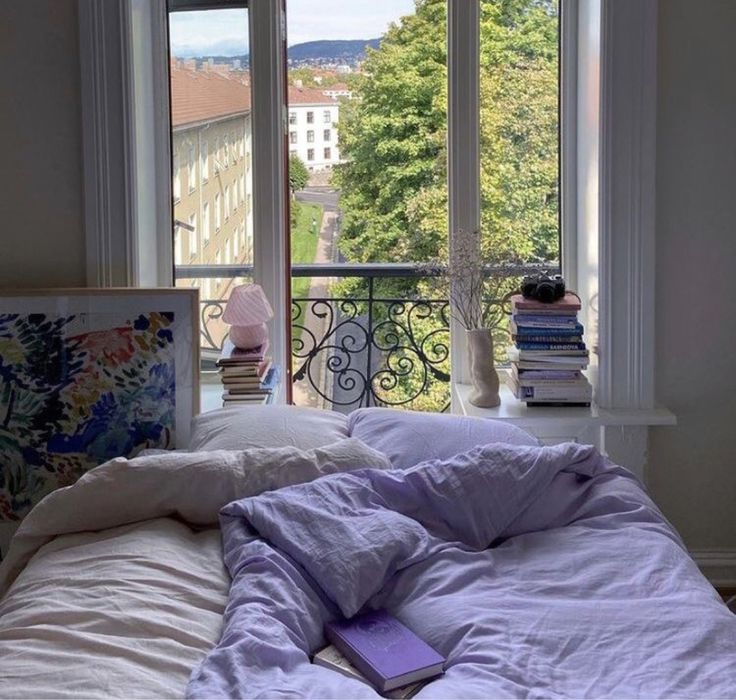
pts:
[41, 220]
[692, 468]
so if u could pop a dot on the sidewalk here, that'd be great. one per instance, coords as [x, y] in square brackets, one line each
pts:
[303, 392]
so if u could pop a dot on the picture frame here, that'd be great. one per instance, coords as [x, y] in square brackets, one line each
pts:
[87, 375]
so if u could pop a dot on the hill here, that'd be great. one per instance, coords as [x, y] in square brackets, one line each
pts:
[348, 51]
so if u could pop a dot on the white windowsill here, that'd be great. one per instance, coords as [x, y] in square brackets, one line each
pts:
[514, 411]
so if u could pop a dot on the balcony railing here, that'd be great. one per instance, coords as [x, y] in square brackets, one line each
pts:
[365, 348]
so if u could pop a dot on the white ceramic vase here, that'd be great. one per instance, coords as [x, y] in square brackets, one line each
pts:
[483, 375]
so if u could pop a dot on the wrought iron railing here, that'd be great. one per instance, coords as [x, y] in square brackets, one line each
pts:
[368, 348]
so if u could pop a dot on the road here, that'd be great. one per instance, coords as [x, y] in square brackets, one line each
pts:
[325, 196]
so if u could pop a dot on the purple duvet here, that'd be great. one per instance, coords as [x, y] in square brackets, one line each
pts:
[538, 572]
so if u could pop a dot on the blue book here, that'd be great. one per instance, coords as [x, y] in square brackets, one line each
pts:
[540, 321]
[386, 652]
[564, 329]
[550, 346]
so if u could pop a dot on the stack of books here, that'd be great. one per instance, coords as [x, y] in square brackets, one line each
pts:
[550, 353]
[377, 649]
[248, 376]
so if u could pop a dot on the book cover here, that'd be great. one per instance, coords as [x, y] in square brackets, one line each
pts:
[552, 393]
[385, 651]
[566, 329]
[330, 657]
[568, 303]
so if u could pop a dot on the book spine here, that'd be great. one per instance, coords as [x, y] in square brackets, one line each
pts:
[531, 338]
[550, 346]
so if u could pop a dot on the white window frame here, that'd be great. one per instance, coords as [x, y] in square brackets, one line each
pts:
[191, 168]
[226, 205]
[193, 243]
[204, 165]
[218, 212]
[614, 152]
[206, 223]
[327, 117]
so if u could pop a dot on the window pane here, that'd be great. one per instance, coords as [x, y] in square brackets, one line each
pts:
[519, 137]
[211, 148]
[368, 170]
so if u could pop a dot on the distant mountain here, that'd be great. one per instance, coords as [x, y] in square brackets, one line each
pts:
[332, 51]
[347, 51]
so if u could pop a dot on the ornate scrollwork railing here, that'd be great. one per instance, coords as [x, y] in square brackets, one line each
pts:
[362, 350]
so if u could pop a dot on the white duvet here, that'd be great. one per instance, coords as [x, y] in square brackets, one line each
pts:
[115, 587]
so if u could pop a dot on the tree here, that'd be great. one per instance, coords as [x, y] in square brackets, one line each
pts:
[298, 173]
[393, 136]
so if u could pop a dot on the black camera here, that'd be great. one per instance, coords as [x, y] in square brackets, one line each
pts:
[544, 288]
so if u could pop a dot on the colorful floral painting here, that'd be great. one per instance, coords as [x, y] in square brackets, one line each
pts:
[75, 391]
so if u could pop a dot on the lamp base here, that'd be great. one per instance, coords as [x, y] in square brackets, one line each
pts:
[249, 337]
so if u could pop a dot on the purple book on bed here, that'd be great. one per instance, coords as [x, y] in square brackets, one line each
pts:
[388, 654]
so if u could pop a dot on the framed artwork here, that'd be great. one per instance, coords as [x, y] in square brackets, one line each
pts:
[87, 375]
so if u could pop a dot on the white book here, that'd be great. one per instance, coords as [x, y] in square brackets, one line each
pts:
[331, 658]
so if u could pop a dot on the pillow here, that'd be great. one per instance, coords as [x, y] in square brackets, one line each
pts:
[410, 437]
[246, 427]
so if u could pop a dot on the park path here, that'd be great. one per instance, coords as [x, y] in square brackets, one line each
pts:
[303, 392]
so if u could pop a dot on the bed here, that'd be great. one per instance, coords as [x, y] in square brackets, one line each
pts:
[537, 571]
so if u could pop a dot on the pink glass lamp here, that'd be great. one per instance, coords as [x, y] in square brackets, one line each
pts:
[247, 311]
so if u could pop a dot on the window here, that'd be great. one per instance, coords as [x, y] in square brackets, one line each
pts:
[192, 169]
[242, 187]
[228, 259]
[204, 165]
[216, 155]
[205, 223]
[193, 245]
[176, 185]
[406, 151]
[218, 257]
[242, 234]
[178, 247]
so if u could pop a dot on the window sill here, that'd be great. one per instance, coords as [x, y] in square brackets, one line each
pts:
[571, 419]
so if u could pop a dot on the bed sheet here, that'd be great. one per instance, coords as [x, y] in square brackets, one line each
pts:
[122, 613]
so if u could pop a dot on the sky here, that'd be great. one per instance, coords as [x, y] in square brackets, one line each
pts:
[224, 32]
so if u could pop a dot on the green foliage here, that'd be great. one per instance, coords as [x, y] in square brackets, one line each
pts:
[298, 173]
[393, 137]
[304, 242]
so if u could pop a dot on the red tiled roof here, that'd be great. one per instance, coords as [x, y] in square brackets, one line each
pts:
[338, 87]
[199, 95]
[308, 96]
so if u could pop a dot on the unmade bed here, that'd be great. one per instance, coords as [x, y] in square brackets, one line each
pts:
[537, 571]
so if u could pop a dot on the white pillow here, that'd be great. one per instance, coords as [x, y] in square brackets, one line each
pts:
[246, 427]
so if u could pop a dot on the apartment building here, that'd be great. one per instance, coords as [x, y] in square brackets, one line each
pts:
[313, 119]
[212, 176]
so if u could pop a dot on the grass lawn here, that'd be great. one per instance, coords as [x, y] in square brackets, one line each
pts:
[304, 244]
